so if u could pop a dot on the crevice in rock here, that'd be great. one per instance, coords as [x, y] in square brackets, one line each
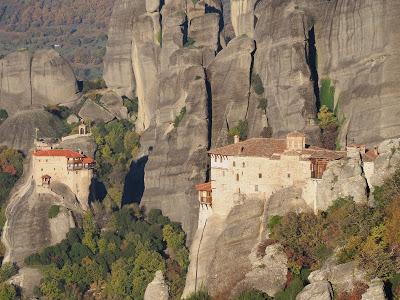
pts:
[134, 182]
[311, 56]
[30, 77]
[185, 31]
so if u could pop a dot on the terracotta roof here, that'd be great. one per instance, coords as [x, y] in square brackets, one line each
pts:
[204, 187]
[253, 147]
[325, 154]
[58, 152]
[88, 160]
[296, 134]
[46, 177]
[370, 155]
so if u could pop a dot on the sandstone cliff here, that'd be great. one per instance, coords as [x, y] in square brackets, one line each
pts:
[35, 80]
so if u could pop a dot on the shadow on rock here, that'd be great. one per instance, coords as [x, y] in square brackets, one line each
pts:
[134, 182]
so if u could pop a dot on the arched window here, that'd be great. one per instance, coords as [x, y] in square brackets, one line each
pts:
[237, 177]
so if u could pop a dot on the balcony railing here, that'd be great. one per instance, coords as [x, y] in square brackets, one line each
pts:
[206, 200]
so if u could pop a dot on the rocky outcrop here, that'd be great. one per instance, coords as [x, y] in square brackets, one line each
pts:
[375, 291]
[343, 178]
[157, 289]
[357, 49]
[229, 77]
[19, 130]
[60, 226]
[281, 65]
[320, 290]
[115, 105]
[95, 112]
[342, 276]
[118, 72]
[284, 201]
[36, 80]
[242, 17]
[269, 271]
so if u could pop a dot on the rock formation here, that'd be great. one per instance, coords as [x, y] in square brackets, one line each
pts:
[19, 132]
[375, 291]
[36, 80]
[357, 49]
[157, 289]
[242, 16]
[95, 112]
[320, 290]
[115, 105]
[118, 72]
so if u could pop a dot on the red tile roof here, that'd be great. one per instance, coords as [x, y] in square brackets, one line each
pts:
[204, 187]
[58, 152]
[252, 147]
[88, 160]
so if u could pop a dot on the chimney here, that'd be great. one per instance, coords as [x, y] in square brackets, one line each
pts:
[236, 139]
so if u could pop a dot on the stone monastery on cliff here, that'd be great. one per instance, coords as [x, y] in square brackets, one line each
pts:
[74, 169]
[259, 167]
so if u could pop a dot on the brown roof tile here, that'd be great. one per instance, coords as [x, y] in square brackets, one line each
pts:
[204, 186]
[253, 147]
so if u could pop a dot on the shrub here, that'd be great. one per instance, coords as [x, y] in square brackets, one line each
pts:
[131, 104]
[273, 222]
[263, 104]
[240, 130]
[327, 94]
[3, 115]
[202, 294]
[252, 295]
[8, 291]
[294, 287]
[179, 117]
[257, 84]
[54, 210]
[62, 112]
[95, 84]
[7, 271]
[326, 118]
[190, 42]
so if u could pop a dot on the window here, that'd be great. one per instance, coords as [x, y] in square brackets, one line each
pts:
[220, 159]
[237, 177]
[256, 188]
[288, 175]
[223, 173]
[215, 159]
[42, 170]
[234, 163]
[259, 175]
[243, 164]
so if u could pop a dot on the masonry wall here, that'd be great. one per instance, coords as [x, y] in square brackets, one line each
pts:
[56, 167]
[255, 176]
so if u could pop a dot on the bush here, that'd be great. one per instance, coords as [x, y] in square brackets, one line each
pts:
[257, 84]
[240, 130]
[202, 294]
[295, 286]
[190, 42]
[273, 222]
[327, 94]
[263, 104]
[61, 112]
[131, 104]
[179, 117]
[3, 115]
[7, 271]
[54, 210]
[8, 291]
[252, 295]
[95, 84]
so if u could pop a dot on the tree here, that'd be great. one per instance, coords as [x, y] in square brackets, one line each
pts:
[326, 118]
[90, 231]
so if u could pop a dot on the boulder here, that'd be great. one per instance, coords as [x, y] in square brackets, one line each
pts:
[321, 290]
[35, 80]
[114, 104]
[342, 276]
[19, 130]
[72, 119]
[94, 112]
[268, 273]
[375, 291]
[157, 289]
[229, 77]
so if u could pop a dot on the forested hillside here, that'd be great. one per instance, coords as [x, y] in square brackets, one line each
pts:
[79, 28]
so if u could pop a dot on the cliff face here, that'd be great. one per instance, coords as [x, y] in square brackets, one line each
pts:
[358, 50]
[263, 65]
[35, 80]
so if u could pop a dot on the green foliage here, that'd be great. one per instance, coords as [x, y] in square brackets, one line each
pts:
[263, 104]
[241, 130]
[190, 42]
[354, 231]
[257, 84]
[118, 261]
[179, 117]
[326, 118]
[61, 112]
[159, 38]
[252, 295]
[202, 294]
[8, 291]
[131, 104]
[7, 271]
[295, 286]
[53, 212]
[3, 115]
[195, 2]
[95, 84]
[273, 222]
[327, 94]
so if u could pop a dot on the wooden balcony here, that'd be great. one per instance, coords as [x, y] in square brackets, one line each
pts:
[206, 200]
